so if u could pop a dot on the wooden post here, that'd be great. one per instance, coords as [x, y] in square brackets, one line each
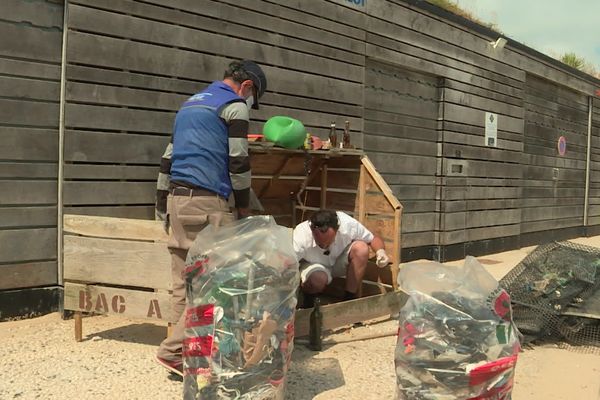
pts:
[78, 326]
[362, 194]
[323, 203]
[61, 150]
[396, 250]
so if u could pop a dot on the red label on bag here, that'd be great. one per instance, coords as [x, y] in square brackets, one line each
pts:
[197, 346]
[199, 316]
[198, 266]
[486, 373]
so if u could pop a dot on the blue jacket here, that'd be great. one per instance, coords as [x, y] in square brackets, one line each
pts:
[200, 140]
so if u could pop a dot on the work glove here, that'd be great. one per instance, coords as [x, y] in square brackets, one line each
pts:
[382, 258]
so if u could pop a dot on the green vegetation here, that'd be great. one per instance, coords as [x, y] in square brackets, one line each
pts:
[580, 63]
[573, 60]
[569, 58]
[454, 8]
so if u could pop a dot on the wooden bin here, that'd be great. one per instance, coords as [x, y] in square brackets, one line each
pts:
[116, 266]
[122, 266]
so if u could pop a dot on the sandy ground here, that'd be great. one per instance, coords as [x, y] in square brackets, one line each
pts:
[39, 359]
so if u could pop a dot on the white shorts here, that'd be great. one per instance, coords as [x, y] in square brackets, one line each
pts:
[337, 270]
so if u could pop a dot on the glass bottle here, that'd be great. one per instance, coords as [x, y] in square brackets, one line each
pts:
[315, 341]
[332, 135]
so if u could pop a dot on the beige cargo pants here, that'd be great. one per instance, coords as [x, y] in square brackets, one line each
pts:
[187, 216]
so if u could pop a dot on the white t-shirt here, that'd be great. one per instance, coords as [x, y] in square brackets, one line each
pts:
[350, 230]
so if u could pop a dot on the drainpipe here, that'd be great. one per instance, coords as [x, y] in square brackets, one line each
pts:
[587, 163]
[61, 147]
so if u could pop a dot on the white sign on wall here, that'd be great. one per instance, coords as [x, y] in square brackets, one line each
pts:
[491, 129]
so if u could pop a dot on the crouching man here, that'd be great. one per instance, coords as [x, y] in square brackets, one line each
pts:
[333, 244]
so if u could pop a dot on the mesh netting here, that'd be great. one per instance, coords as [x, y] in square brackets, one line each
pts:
[554, 280]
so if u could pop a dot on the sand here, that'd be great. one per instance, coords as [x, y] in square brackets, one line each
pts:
[39, 359]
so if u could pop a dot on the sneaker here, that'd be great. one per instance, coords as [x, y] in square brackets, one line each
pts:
[175, 367]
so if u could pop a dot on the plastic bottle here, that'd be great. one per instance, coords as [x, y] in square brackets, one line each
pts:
[315, 341]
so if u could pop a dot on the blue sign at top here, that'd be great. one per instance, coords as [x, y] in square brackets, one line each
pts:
[357, 2]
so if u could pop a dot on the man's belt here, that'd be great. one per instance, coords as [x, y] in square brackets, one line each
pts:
[184, 191]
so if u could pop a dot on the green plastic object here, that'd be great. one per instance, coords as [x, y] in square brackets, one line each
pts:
[285, 132]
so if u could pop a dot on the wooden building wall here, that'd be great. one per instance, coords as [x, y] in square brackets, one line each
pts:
[400, 137]
[30, 58]
[414, 81]
[131, 64]
[594, 202]
[484, 194]
[481, 201]
[554, 185]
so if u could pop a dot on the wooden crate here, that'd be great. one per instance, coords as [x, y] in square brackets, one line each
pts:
[122, 266]
[116, 266]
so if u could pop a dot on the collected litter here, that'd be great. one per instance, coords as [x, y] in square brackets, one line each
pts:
[241, 282]
[456, 338]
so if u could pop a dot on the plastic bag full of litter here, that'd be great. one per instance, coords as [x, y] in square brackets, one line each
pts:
[456, 339]
[241, 282]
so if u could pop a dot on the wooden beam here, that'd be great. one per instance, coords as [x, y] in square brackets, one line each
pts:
[362, 194]
[323, 201]
[116, 301]
[117, 262]
[115, 228]
[315, 167]
[349, 312]
[396, 250]
[275, 177]
[381, 183]
[77, 318]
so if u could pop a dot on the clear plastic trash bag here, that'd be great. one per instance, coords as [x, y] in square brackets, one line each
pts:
[456, 338]
[241, 282]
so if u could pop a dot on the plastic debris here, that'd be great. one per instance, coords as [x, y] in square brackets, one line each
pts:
[241, 282]
[456, 338]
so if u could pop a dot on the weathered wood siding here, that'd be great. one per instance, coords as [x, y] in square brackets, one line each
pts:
[414, 81]
[594, 202]
[554, 185]
[131, 64]
[30, 57]
[401, 118]
[482, 200]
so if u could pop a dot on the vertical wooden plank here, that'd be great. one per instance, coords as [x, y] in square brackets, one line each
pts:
[78, 326]
[362, 194]
[588, 156]
[396, 251]
[323, 203]
[61, 147]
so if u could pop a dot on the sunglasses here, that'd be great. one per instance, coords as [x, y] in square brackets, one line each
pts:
[321, 228]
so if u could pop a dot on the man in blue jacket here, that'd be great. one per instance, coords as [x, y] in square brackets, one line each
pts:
[206, 161]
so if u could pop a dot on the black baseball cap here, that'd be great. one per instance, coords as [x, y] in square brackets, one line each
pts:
[258, 78]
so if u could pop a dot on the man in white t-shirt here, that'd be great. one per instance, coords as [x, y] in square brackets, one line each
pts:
[333, 244]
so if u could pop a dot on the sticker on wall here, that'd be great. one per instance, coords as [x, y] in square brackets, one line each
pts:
[562, 145]
[491, 129]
